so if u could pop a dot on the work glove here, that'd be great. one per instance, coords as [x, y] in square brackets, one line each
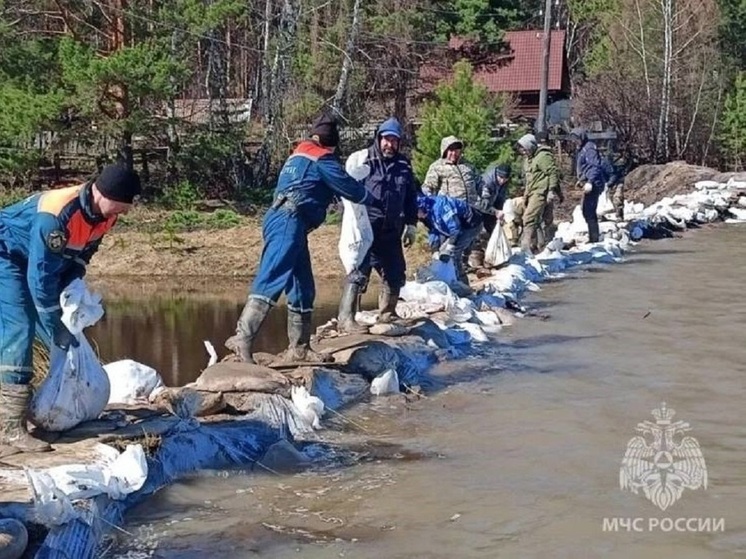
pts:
[63, 338]
[356, 166]
[587, 187]
[410, 232]
[446, 253]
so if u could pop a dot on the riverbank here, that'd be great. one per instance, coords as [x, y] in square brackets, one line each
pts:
[451, 327]
[204, 245]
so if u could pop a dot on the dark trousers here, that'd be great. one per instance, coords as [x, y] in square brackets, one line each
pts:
[386, 257]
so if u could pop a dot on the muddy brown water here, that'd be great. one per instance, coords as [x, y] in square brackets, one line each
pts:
[518, 454]
[167, 331]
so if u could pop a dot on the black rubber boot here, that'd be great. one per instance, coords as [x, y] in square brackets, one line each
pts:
[594, 233]
[14, 435]
[299, 340]
[348, 307]
[251, 320]
[387, 300]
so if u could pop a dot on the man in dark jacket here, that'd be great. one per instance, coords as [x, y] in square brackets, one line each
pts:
[592, 173]
[46, 241]
[391, 182]
[311, 177]
[496, 182]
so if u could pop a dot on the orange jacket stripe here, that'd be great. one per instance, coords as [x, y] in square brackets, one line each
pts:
[80, 232]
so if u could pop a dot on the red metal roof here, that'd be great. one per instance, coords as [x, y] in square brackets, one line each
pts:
[522, 70]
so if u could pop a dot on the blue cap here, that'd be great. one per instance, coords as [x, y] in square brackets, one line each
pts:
[390, 127]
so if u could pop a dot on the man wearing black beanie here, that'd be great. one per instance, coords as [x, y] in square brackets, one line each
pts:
[46, 241]
[311, 177]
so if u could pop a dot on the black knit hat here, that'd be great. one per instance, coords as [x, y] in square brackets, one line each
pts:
[503, 171]
[325, 127]
[118, 183]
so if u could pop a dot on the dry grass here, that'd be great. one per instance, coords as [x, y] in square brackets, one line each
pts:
[150, 443]
[41, 364]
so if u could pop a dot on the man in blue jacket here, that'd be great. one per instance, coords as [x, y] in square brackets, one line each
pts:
[311, 177]
[391, 182]
[46, 241]
[453, 225]
[592, 173]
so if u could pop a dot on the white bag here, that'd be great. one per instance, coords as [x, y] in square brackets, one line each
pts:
[76, 388]
[356, 165]
[356, 236]
[132, 382]
[498, 248]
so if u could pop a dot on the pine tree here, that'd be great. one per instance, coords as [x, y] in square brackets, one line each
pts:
[733, 124]
[461, 108]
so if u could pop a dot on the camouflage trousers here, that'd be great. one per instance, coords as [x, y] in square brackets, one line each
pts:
[533, 226]
[616, 197]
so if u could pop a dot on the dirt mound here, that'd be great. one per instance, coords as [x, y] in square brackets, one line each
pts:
[651, 183]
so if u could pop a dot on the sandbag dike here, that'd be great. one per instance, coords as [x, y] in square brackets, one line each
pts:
[253, 417]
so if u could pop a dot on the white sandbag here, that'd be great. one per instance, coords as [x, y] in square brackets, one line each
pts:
[604, 204]
[356, 165]
[738, 213]
[475, 331]
[77, 387]
[498, 248]
[385, 383]
[311, 408]
[80, 307]
[356, 235]
[508, 210]
[113, 474]
[131, 382]
[428, 293]
[702, 185]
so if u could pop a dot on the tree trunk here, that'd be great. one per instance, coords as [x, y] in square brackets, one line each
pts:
[344, 75]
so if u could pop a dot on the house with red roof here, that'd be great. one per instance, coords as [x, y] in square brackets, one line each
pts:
[515, 70]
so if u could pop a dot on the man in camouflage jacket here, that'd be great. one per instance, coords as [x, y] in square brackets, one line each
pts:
[454, 176]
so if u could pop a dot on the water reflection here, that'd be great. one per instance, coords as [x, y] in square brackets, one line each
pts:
[166, 332]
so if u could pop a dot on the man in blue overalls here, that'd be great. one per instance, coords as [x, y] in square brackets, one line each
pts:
[46, 241]
[392, 183]
[311, 177]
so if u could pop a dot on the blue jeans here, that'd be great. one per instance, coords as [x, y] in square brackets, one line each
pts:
[17, 324]
[462, 243]
[285, 265]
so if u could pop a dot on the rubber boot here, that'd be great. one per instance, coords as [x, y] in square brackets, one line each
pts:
[348, 307]
[14, 435]
[13, 538]
[594, 233]
[251, 320]
[387, 300]
[299, 338]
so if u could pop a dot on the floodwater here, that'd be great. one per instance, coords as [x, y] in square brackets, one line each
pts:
[518, 455]
[167, 331]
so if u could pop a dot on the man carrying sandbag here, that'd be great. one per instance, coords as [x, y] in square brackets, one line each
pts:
[453, 224]
[311, 177]
[46, 241]
[394, 220]
[592, 174]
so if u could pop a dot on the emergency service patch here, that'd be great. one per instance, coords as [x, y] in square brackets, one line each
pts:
[56, 241]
